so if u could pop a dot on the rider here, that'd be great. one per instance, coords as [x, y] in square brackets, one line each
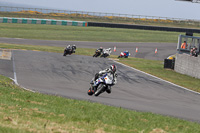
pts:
[67, 50]
[74, 48]
[126, 53]
[107, 51]
[98, 52]
[112, 69]
[68, 47]
[100, 49]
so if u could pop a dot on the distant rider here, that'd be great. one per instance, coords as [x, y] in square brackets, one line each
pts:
[100, 49]
[98, 52]
[112, 70]
[68, 47]
[67, 50]
[106, 52]
[73, 48]
[126, 54]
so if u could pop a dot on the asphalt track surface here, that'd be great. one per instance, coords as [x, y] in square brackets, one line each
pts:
[52, 73]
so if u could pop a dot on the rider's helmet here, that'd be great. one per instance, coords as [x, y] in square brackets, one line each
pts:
[100, 49]
[113, 68]
[74, 46]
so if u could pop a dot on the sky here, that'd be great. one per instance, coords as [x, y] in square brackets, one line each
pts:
[159, 8]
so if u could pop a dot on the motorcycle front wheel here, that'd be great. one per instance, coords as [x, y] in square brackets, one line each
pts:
[99, 90]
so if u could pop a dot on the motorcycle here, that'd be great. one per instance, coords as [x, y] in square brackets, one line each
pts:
[97, 53]
[123, 55]
[101, 84]
[106, 52]
[69, 51]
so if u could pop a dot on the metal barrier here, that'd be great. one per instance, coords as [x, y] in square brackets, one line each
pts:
[42, 21]
[143, 27]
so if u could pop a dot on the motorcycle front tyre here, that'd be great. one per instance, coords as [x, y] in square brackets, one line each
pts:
[64, 53]
[99, 90]
[94, 55]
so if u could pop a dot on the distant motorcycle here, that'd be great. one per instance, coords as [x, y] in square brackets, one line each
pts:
[106, 52]
[124, 54]
[101, 84]
[69, 50]
[97, 53]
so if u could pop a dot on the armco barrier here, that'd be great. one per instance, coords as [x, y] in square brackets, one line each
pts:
[42, 21]
[143, 27]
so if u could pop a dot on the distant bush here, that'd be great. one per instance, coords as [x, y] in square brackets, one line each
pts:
[102, 18]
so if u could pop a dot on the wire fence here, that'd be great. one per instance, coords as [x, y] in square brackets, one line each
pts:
[108, 17]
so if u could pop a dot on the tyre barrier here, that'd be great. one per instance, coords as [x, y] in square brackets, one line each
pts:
[43, 21]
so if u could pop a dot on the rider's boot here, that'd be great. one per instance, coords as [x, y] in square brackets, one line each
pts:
[90, 92]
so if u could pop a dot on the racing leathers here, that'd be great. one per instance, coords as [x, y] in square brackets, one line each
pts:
[106, 52]
[101, 73]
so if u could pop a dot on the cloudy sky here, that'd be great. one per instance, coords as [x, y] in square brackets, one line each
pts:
[161, 8]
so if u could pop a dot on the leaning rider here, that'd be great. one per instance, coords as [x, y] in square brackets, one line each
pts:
[68, 47]
[73, 48]
[126, 53]
[112, 69]
[100, 49]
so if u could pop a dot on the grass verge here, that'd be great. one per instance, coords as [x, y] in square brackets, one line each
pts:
[156, 68]
[79, 51]
[24, 111]
[97, 34]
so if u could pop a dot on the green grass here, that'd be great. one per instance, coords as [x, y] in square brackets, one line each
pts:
[24, 111]
[156, 68]
[73, 33]
[79, 51]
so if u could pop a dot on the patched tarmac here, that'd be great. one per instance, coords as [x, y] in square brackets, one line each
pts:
[5, 54]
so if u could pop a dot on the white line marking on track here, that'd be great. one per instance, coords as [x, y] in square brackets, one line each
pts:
[15, 75]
